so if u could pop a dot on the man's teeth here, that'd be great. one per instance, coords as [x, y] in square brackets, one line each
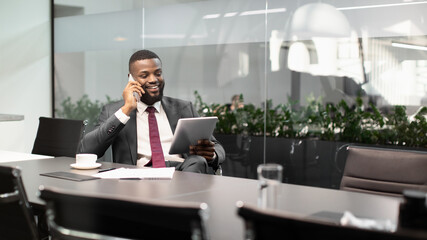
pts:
[155, 87]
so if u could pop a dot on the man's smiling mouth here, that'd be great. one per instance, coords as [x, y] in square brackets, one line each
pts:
[153, 87]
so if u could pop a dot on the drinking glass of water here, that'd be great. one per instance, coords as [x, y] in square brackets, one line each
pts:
[269, 179]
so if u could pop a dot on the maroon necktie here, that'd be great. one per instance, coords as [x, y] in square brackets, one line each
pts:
[157, 158]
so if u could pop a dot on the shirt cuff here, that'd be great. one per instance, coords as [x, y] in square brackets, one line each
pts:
[123, 118]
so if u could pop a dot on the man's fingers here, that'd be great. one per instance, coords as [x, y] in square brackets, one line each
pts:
[136, 87]
[204, 149]
[198, 148]
[192, 150]
[205, 142]
[205, 153]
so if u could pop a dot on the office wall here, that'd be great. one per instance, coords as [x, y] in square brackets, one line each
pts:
[25, 66]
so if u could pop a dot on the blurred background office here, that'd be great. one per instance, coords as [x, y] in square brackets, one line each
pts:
[268, 51]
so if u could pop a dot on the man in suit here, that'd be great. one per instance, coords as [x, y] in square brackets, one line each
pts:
[124, 124]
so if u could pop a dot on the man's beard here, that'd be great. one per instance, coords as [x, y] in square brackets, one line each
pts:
[150, 100]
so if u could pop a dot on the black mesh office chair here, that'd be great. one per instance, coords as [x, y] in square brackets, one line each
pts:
[72, 215]
[16, 217]
[58, 137]
[273, 224]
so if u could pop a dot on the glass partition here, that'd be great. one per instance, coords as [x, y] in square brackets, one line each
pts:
[328, 73]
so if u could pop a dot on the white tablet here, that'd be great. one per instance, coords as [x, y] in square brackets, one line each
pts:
[189, 130]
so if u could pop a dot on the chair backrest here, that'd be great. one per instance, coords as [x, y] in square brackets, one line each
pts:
[72, 214]
[58, 137]
[273, 224]
[16, 217]
[384, 171]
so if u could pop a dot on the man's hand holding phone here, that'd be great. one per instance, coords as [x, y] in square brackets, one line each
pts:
[135, 94]
[131, 94]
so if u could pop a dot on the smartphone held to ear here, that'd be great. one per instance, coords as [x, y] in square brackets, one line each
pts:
[135, 94]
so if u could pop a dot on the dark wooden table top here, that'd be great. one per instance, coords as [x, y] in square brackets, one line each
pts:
[219, 192]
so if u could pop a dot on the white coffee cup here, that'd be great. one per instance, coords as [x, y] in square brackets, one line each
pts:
[86, 159]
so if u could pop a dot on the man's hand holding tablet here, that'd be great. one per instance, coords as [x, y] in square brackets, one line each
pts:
[204, 148]
[193, 135]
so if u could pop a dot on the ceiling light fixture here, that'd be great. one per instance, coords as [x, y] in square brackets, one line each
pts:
[246, 13]
[409, 46]
[380, 6]
[120, 39]
[230, 14]
[211, 16]
[319, 20]
[263, 11]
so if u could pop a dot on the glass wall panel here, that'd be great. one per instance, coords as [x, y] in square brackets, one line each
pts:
[329, 40]
[336, 72]
[298, 59]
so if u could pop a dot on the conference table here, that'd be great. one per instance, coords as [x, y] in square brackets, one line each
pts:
[220, 192]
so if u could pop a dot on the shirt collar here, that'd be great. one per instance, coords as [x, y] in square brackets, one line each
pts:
[141, 107]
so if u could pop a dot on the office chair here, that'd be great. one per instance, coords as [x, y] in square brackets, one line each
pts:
[16, 217]
[384, 171]
[72, 215]
[58, 137]
[274, 224]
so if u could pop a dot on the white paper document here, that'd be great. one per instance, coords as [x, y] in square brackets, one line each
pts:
[138, 173]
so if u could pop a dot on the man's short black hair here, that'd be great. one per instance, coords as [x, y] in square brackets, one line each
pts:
[142, 55]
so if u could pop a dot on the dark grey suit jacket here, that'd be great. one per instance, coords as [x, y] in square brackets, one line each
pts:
[123, 138]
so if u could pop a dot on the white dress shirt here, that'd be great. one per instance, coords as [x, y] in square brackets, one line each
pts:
[165, 132]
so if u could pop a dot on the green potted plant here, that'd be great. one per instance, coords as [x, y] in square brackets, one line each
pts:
[307, 138]
[82, 109]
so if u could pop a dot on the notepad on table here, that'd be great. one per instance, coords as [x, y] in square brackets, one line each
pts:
[138, 173]
[69, 176]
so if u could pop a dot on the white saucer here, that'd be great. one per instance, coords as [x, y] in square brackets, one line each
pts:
[76, 166]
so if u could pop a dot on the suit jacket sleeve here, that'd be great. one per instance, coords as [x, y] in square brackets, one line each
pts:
[106, 130]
